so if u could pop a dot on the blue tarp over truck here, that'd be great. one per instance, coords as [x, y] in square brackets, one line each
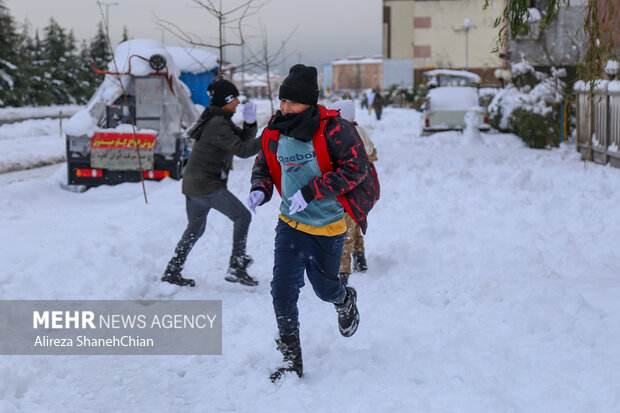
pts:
[198, 68]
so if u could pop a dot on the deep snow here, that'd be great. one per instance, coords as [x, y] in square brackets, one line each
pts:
[493, 286]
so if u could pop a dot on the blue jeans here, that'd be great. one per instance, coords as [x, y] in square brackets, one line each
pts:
[296, 251]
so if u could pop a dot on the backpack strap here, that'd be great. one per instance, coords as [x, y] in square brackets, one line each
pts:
[325, 163]
[195, 131]
[270, 150]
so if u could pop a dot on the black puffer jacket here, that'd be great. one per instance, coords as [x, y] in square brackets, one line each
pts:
[211, 158]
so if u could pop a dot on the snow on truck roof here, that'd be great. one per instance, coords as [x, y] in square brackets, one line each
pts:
[193, 60]
[178, 59]
[462, 73]
[124, 62]
[85, 121]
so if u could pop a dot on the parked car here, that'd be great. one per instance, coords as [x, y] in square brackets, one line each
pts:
[452, 95]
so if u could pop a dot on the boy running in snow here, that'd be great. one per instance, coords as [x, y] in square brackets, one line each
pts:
[318, 164]
[354, 240]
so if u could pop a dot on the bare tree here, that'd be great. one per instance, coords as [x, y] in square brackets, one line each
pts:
[232, 18]
[265, 60]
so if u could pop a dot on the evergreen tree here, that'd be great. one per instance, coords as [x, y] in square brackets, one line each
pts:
[49, 60]
[25, 81]
[40, 93]
[125, 34]
[80, 80]
[99, 50]
[59, 64]
[10, 59]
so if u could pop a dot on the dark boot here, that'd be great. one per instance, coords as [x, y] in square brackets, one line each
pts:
[359, 262]
[173, 278]
[237, 271]
[344, 277]
[241, 261]
[290, 348]
[348, 316]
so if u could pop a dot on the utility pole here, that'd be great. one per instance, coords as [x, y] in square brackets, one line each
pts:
[107, 11]
[466, 28]
[243, 66]
[284, 71]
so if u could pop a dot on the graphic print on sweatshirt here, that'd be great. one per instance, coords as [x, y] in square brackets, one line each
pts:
[299, 166]
[295, 162]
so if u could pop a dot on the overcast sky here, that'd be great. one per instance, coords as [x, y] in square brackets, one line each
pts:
[326, 29]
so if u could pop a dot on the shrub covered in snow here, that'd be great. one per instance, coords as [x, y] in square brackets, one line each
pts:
[537, 96]
[531, 127]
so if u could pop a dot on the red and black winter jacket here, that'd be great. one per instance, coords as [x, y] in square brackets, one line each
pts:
[343, 162]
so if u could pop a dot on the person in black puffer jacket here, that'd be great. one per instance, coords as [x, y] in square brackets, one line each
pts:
[205, 178]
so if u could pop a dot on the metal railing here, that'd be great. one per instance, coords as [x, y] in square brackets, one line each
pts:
[598, 139]
[14, 115]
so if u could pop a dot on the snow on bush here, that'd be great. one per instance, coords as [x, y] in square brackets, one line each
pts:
[532, 91]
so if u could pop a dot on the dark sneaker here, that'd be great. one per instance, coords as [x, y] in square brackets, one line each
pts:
[344, 277]
[178, 280]
[348, 316]
[290, 348]
[241, 276]
[359, 262]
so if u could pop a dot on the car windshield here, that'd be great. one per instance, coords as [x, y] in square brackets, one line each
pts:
[447, 80]
[452, 98]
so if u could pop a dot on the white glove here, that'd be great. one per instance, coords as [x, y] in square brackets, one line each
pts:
[298, 203]
[254, 199]
[249, 112]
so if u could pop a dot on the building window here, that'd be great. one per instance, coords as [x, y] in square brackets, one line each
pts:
[421, 51]
[422, 22]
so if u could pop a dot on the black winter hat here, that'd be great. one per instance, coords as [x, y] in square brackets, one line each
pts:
[301, 85]
[221, 91]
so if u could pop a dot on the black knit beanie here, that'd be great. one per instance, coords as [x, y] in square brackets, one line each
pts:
[301, 85]
[221, 91]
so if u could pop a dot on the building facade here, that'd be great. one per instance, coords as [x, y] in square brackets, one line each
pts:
[357, 73]
[609, 15]
[561, 44]
[448, 34]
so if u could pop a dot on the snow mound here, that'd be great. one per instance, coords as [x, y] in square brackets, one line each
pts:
[81, 123]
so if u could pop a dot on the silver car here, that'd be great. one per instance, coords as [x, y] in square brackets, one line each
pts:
[452, 95]
[447, 106]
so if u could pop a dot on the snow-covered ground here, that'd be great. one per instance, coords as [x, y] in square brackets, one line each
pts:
[31, 143]
[493, 285]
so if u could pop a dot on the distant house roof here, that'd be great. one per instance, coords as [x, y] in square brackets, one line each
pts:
[352, 60]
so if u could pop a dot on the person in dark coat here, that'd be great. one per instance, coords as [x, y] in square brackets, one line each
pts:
[378, 103]
[317, 162]
[205, 178]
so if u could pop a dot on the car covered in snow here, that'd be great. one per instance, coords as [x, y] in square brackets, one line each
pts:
[133, 126]
[452, 94]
